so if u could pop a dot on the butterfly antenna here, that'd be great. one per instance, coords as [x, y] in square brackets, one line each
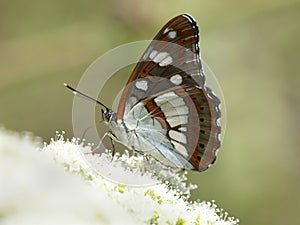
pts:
[80, 94]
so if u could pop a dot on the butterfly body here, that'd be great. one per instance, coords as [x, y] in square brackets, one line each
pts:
[145, 135]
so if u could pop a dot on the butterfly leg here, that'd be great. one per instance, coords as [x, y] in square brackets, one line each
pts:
[112, 136]
[112, 140]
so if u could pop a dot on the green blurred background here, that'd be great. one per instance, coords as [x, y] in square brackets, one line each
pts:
[252, 46]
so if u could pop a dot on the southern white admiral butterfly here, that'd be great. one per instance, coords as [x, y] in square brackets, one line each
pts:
[166, 110]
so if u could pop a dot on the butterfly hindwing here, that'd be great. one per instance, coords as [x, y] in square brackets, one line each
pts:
[168, 86]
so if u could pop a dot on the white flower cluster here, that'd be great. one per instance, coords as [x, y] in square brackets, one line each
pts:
[91, 188]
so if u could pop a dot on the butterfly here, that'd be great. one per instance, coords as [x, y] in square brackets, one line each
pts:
[166, 111]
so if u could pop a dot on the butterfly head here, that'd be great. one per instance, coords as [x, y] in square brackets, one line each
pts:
[107, 114]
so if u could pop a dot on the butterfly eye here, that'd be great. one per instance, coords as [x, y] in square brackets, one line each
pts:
[106, 115]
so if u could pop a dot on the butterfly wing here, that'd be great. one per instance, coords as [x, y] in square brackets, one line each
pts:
[169, 83]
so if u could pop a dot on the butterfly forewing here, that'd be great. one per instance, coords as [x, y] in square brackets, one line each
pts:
[167, 88]
[163, 46]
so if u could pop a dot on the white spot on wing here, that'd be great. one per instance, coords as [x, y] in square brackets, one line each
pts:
[165, 97]
[166, 30]
[176, 79]
[163, 58]
[146, 55]
[177, 136]
[183, 110]
[158, 56]
[172, 34]
[177, 102]
[142, 85]
[167, 61]
[218, 122]
[170, 97]
[153, 54]
[210, 96]
[180, 148]
[184, 129]
[219, 137]
[177, 120]
[174, 108]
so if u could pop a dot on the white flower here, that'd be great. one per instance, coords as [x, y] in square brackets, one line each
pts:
[92, 188]
[34, 190]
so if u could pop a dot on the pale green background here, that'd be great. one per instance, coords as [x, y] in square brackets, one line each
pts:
[252, 46]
